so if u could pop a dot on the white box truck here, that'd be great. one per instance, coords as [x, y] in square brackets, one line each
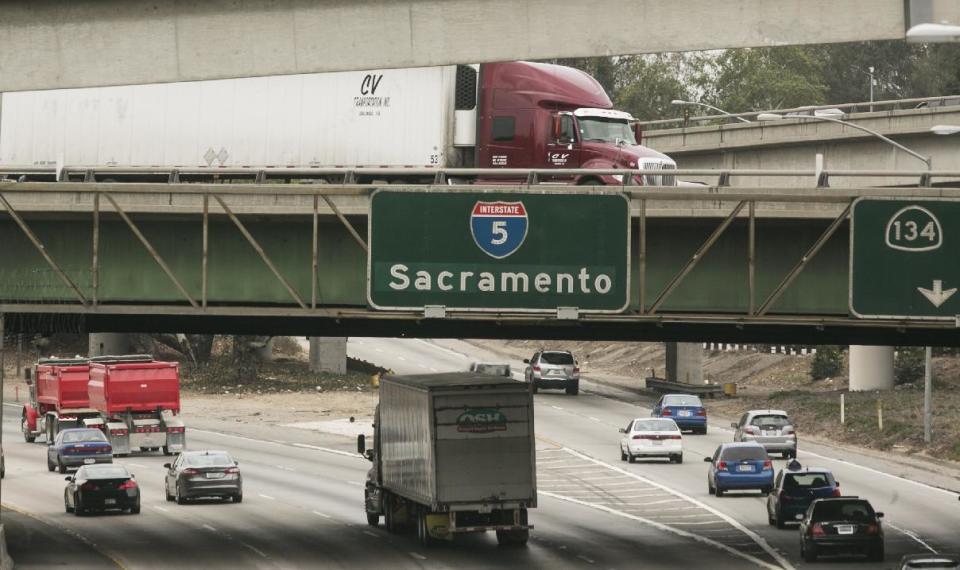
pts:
[452, 453]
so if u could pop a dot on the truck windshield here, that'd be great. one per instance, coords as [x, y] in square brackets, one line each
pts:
[598, 129]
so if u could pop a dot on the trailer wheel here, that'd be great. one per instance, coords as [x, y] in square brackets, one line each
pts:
[166, 450]
[373, 519]
[388, 514]
[423, 535]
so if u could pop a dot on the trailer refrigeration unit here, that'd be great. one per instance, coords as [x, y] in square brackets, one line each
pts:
[452, 453]
[58, 398]
[495, 115]
[138, 400]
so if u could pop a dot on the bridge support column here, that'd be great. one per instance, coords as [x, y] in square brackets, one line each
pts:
[328, 354]
[685, 362]
[102, 344]
[871, 368]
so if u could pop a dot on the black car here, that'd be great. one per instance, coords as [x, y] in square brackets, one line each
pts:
[842, 525]
[101, 488]
[795, 488]
[197, 474]
[930, 561]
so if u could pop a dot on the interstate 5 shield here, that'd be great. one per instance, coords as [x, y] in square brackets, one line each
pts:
[498, 251]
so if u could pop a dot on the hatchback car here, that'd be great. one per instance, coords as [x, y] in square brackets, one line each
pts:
[553, 369]
[739, 466]
[795, 488]
[197, 474]
[651, 437]
[78, 446]
[847, 525]
[772, 429]
[930, 561]
[101, 488]
[685, 409]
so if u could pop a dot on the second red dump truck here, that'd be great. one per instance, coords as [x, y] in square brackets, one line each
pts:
[138, 403]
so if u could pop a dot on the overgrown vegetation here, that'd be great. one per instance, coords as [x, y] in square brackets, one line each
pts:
[908, 365]
[827, 362]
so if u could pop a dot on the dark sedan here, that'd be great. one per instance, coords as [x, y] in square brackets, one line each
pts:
[197, 474]
[843, 525]
[101, 488]
[78, 446]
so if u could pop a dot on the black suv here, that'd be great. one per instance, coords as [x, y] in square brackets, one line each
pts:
[847, 525]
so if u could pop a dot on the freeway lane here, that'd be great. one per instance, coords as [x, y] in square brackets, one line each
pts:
[919, 517]
[303, 509]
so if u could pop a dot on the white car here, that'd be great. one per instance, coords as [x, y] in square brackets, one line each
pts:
[651, 437]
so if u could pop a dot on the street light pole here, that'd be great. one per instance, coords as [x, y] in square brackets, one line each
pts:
[927, 396]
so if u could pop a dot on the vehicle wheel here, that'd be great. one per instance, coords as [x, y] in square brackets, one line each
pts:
[388, 515]
[703, 431]
[779, 521]
[423, 536]
[573, 390]
[623, 456]
[631, 458]
[535, 389]
[60, 466]
[808, 554]
[238, 498]
[78, 509]
[709, 488]
[181, 500]
[135, 510]
[66, 505]
[50, 465]
[679, 458]
[166, 451]
[718, 492]
[877, 554]
[27, 436]
[373, 519]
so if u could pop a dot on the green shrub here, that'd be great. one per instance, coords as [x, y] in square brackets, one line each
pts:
[908, 366]
[827, 362]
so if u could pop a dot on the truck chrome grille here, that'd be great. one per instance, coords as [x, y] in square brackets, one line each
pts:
[658, 179]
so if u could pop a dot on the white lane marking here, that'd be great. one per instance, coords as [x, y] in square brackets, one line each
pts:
[303, 445]
[136, 465]
[357, 483]
[585, 559]
[593, 418]
[760, 541]
[254, 549]
[319, 514]
[670, 529]
[378, 349]
[878, 472]
[161, 509]
[556, 407]
[285, 468]
[459, 355]
[432, 369]
[401, 358]
[210, 528]
[371, 533]
[268, 497]
[914, 536]
[418, 556]
[328, 450]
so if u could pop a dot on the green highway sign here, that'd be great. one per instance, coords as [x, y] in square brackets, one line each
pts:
[499, 251]
[905, 258]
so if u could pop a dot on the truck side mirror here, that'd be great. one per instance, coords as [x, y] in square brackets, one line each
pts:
[369, 455]
[557, 127]
[28, 376]
[526, 361]
[362, 444]
[166, 466]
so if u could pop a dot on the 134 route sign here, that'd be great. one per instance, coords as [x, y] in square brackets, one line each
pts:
[499, 251]
[905, 259]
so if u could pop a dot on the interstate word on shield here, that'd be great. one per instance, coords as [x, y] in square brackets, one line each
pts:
[499, 251]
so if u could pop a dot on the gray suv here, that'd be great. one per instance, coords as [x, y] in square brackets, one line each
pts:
[553, 369]
[772, 429]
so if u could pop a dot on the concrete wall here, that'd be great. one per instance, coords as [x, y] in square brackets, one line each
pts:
[104, 344]
[685, 362]
[67, 43]
[328, 354]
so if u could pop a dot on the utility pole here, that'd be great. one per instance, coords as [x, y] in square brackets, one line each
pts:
[927, 395]
[872, 83]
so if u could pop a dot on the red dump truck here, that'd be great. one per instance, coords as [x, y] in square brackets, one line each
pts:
[58, 398]
[138, 403]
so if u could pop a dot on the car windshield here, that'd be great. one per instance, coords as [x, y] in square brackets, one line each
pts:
[770, 420]
[859, 511]
[559, 358]
[682, 400]
[807, 480]
[494, 369]
[655, 425]
[85, 435]
[600, 129]
[744, 453]
[209, 460]
[103, 472]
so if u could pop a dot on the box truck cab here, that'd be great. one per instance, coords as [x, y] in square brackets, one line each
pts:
[537, 115]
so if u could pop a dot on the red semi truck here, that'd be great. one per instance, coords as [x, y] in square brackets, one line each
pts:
[138, 403]
[58, 398]
[514, 115]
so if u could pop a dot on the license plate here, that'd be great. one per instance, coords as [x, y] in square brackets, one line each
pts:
[745, 468]
[656, 442]
[214, 475]
[89, 461]
[109, 501]
[769, 433]
[685, 413]
[845, 528]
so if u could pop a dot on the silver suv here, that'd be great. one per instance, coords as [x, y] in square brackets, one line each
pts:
[553, 369]
[772, 429]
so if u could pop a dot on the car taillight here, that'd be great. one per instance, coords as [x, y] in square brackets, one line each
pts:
[666, 412]
[721, 465]
[128, 484]
[752, 430]
[817, 530]
[89, 486]
[702, 412]
[873, 529]
[536, 369]
[576, 370]
[784, 497]
[232, 470]
[767, 465]
[789, 431]
[641, 437]
[672, 437]
[190, 471]
[836, 492]
[118, 432]
[175, 429]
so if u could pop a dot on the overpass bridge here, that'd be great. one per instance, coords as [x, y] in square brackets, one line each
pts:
[759, 264]
[725, 142]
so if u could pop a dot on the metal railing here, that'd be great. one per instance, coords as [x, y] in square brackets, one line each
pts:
[849, 108]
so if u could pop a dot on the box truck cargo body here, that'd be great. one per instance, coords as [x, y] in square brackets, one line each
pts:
[58, 398]
[453, 453]
[513, 115]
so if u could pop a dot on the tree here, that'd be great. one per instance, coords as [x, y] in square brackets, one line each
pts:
[764, 78]
[647, 84]
[909, 364]
[827, 362]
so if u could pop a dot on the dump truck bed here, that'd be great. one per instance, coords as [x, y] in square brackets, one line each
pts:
[115, 388]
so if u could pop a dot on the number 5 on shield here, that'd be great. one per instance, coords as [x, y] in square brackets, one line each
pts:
[499, 232]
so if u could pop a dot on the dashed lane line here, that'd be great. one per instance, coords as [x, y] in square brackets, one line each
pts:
[268, 497]
[208, 527]
[914, 536]
[417, 555]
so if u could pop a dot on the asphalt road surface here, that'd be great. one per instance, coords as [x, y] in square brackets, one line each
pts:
[303, 507]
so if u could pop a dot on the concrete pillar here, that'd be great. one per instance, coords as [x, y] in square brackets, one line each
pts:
[103, 344]
[328, 354]
[871, 368]
[685, 362]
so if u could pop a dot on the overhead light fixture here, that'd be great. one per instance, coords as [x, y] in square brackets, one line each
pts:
[945, 129]
[933, 33]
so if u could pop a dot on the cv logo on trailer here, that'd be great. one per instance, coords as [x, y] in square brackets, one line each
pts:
[481, 420]
[499, 228]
